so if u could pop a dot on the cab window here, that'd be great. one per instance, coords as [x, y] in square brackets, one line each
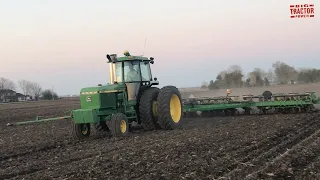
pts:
[131, 71]
[145, 71]
[118, 70]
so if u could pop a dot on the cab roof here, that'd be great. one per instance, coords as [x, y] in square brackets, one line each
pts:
[130, 58]
[112, 58]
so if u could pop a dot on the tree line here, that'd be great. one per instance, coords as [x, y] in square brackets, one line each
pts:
[28, 88]
[280, 73]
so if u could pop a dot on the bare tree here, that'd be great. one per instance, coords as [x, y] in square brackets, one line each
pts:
[36, 90]
[260, 72]
[7, 84]
[252, 79]
[270, 75]
[25, 86]
[257, 77]
[284, 72]
[234, 76]
[220, 80]
[309, 75]
[222, 75]
[235, 68]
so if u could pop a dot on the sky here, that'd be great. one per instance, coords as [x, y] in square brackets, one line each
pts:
[63, 44]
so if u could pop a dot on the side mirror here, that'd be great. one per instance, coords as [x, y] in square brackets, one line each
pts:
[151, 61]
[155, 79]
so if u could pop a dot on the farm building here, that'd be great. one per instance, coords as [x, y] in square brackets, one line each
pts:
[21, 97]
[7, 95]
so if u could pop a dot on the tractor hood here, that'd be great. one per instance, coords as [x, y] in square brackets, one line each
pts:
[103, 89]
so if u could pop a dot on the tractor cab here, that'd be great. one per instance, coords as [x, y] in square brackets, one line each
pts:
[133, 71]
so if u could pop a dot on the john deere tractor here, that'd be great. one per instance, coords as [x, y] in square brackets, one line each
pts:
[128, 100]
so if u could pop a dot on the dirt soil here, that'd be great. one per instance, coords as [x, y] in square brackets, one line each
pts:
[283, 146]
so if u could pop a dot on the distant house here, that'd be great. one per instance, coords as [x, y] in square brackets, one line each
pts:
[292, 82]
[8, 95]
[29, 98]
[21, 97]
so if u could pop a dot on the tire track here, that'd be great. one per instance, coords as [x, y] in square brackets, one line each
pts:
[34, 169]
[254, 162]
[312, 171]
[249, 150]
[298, 148]
[56, 144]
[91, 154]
[52, 146]
[73, 158]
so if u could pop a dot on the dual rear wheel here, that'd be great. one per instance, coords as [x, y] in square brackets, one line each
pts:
[160, 108]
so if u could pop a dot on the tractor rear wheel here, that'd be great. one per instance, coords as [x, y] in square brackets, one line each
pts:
[148, 108]
[81, 131]
[118, 125]
[169, 108]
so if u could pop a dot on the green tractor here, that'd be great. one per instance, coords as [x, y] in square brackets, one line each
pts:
[129, 100]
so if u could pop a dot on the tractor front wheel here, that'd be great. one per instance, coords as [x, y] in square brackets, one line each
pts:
[118, 125]
[169, 108]
[81, 131]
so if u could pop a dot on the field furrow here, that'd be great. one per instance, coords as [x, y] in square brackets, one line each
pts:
[254, 147]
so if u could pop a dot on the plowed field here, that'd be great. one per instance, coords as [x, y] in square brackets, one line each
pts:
[283, 146]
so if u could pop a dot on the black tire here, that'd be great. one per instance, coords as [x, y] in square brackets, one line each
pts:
[141, 91]
[165, 119]
[267, 95]
[81, 131]
[147, 117]
[115, 126]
